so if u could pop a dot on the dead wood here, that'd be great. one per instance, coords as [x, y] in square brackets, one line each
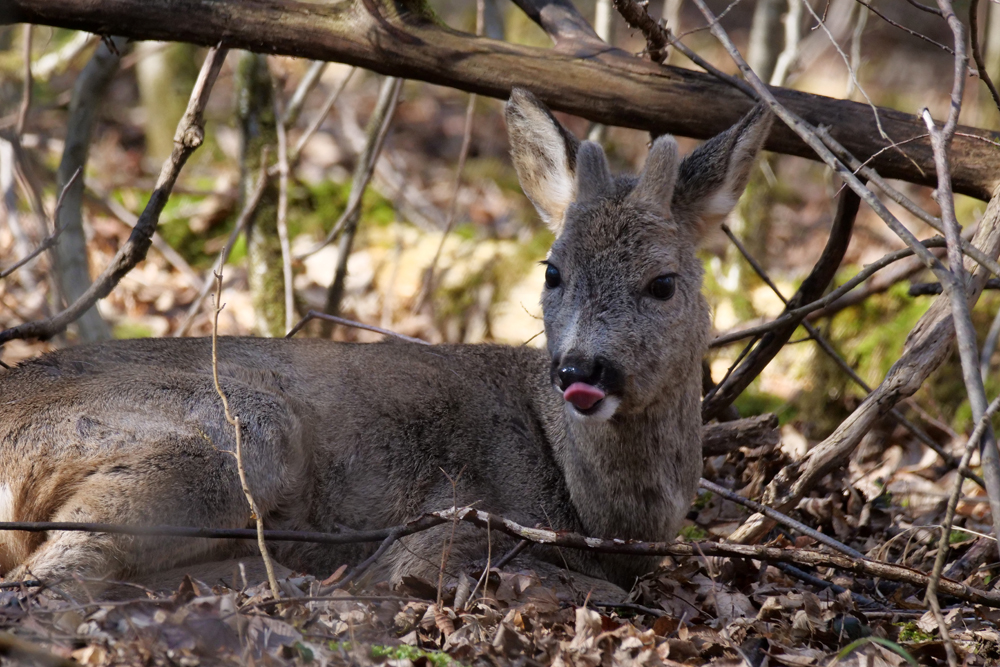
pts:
[926, 348]
[611, 87]
[751, 432]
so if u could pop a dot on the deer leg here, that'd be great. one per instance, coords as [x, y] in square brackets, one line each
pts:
[182, 484]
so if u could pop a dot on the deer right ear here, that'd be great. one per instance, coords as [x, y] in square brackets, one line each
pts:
[712, 178]
[544, 154]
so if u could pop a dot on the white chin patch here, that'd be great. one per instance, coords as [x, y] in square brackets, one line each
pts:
[605, 410]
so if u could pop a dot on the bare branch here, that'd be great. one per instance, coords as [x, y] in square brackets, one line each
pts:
[317, 315]
[234, 421]
[52, 238]
[610, 86]
[977, 54]
[190, 135]
[783, 519]
[810, 290]
[806, 557]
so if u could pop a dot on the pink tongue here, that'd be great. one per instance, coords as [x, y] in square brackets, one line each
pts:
[582, 395]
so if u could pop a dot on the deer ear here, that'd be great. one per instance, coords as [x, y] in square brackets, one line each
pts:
[656, 183]
[712, 178]
[593, 175]
[544, 154]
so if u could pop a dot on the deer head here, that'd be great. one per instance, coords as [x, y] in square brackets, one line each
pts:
[625, 320]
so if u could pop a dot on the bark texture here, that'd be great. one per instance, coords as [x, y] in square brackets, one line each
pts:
[609, 86]
[255, 109]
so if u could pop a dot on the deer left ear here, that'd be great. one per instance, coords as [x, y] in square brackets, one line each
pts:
[544, 154]
[712, 178]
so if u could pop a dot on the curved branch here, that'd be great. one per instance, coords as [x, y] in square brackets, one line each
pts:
[609, 87]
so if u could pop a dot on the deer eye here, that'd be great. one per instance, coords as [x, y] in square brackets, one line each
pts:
[663, 287]
[552, 277]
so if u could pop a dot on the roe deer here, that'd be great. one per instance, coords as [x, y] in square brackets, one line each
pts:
[600, 435]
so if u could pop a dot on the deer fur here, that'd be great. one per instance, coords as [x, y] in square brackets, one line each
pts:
[367, 435]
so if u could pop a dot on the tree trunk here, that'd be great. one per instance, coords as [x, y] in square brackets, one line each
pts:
[72, 269]
[255, 109]
[766, 39]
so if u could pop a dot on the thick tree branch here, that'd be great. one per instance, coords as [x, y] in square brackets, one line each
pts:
[609, 87]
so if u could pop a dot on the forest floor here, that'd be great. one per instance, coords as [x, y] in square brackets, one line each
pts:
[888, 502]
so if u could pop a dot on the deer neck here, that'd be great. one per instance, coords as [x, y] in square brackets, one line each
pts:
[628, 475]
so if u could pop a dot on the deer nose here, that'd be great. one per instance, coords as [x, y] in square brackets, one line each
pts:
[579, 369]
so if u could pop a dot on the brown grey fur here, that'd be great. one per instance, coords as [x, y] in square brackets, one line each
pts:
[362, 435]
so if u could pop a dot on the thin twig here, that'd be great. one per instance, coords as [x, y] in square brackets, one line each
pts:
[803, 557]
[793, 571]
[791, 315]
[977, 54]
[981, 429]
[282, 223]
[377, 131]
[321, 116]
[512, 554]
[22, 112]
[781, 518]
[904, 28]
[850, 71]
[925, 8]
[315, 314]
[305, 87]
[190, 135]
[234, 421]
[931, 289]
[428, 287]
[52, 238]
[366, 163]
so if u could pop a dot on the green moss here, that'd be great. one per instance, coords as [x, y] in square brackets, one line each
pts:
[130, 329]
[703, 500]
[412, 653]
[957, 536]
[753, 401]
[911, 634]
[693, 533]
